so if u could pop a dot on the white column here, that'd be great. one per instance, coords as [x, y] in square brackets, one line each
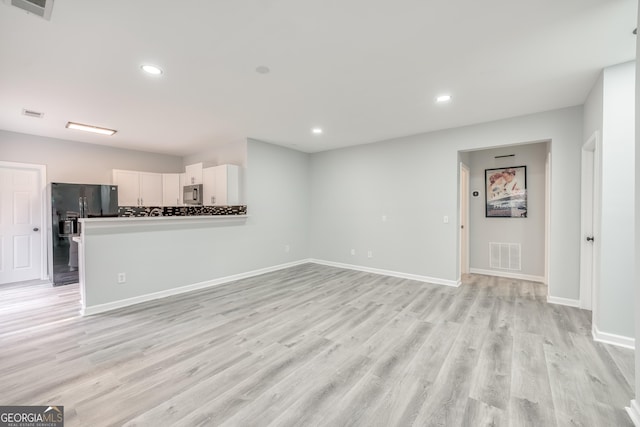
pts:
[634, 408]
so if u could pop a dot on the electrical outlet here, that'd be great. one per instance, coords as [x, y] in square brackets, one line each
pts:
[353, 251]
[370, 254]
[122, 278]
[287, 248]
[445, 219]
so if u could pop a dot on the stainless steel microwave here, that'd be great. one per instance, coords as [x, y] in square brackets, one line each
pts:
[192, 194]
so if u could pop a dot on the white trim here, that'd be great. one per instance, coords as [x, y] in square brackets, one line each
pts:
[547, 212]
[634, 412]
[101, 308]
[563, 301]
[507, 274]
[44, 215]
[464, 215]
[426, 279]
[613, 339]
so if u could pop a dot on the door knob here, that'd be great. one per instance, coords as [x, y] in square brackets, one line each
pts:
[36, 229]
[590, 239]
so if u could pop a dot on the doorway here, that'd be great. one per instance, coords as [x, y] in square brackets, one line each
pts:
[22, 225]
[590, 221]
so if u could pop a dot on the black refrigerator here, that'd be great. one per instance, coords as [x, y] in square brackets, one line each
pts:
[69, 202]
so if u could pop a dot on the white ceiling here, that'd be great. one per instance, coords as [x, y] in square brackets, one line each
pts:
[363, 70]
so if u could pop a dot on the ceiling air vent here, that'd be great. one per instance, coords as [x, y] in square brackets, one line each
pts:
[42, 8]
[31, 113]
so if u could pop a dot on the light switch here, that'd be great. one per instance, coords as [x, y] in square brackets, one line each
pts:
[445, 219]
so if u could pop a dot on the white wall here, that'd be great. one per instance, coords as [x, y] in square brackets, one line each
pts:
[529, 232]
[233, 153]
[414, 182]
[75, 162]
[175, 256]
[615, 302]
[593, 111]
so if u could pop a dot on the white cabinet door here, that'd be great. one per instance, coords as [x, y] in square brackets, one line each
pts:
[150, 189]
[226, 185]
[183, 180]
[209, 186]
[221, 185]
[138, 188]
[128, 183]
[171, 189]
[193, 174]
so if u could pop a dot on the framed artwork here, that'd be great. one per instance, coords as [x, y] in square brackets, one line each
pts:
[506, 192]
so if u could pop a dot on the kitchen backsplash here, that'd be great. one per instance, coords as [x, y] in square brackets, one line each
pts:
[135, 211]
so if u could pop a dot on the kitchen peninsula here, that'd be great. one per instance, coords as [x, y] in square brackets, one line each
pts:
[156, 252]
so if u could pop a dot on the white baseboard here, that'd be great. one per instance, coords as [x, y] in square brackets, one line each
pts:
[507, 274]
[426, 279]
[101, 308]
[634, 412]
[563, 301]
[613, 339]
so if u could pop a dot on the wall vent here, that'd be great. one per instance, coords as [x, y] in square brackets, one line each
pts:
[505, 256]
[31, 113]
[41, 8]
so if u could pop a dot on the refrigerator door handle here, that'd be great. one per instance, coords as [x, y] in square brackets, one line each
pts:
[86, 207]
[81, 207]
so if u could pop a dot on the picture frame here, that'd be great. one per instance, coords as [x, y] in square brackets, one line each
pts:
[506, 192]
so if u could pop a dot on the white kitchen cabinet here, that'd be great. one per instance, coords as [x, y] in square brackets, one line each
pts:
[171, 189]
[128, 183]
[183, 182]
[221, 185]
[209, 186]
[138, 188]
[193, 174]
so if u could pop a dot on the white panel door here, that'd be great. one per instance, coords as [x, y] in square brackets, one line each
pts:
[20, 225]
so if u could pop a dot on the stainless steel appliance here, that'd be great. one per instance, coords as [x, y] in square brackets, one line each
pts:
[192, 194]
[69, 202]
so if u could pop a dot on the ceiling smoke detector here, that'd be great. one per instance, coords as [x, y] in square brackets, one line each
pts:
[41, 8]
[31, 113]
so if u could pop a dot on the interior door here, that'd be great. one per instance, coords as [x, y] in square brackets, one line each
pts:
[590, 214]
[20, 224]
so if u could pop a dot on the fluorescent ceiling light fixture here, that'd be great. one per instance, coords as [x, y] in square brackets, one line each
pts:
[443, 98]
[316, 131]
[89, 128]
[151, 69]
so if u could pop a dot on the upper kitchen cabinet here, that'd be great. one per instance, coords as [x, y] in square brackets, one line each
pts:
[172, 184]
[193, 174]
[221, 185]
[138, 188]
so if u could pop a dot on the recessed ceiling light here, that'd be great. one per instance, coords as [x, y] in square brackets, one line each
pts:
[151, 69]
[263, 70]
[443, 98]
[89, 128]
[316, 131]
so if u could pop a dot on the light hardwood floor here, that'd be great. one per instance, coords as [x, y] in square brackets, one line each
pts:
[315, 345]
